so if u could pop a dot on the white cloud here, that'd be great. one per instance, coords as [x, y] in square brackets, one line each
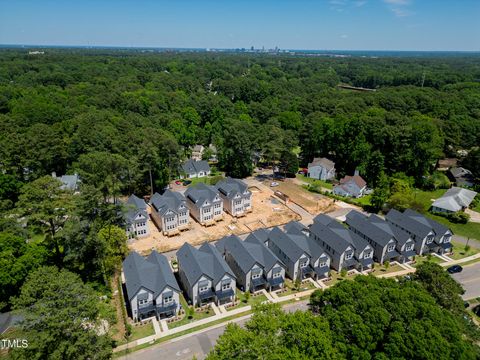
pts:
[399, 7]
[344, 36]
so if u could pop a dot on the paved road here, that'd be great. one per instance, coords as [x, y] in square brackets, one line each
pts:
[198, 345]
[463, 240]
[470, 279]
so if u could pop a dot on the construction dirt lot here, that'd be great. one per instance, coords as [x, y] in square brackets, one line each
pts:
[267, 211]
[311, 202]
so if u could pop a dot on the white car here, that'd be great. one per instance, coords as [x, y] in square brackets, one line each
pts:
[274, 183]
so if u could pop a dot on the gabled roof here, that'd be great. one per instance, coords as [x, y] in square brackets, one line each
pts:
[194, 167]
[169, 201]
[258, 235]
[310, 246]
[356, 241]
[138, 203]
[414, 227]
[323, 162]
[231, 187]
[455, 199]
[243, 253]
[362, 224]
[357, 179]
[205, 261]
[199, 193]
[438, 228]
[459, 171]
[401, 236]
[265, 256]
[153, 274]
[287, 243]
[331, 238]
[296, 228]
[323, 219]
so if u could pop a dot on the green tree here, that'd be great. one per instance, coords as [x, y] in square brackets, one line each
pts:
[114, 241]
[380, 194]
[61, 318]
[46, 205]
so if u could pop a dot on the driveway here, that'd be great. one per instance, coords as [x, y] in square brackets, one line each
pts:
[470, 280]
[198, 345]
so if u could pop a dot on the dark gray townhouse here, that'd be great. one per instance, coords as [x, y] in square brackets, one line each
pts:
[204, 275]
[151, 286]
[254, 265]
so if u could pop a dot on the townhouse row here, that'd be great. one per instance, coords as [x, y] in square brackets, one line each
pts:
[172, 210]
[265, 258]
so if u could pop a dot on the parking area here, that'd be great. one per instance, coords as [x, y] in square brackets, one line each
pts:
[470, 280]
[267, 211]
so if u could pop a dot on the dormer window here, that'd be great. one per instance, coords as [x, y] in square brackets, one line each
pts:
[447, 239]
[391, 247]
[348, 256]
[408, 247]
[367, 255]
[429, 239]
[303, 264]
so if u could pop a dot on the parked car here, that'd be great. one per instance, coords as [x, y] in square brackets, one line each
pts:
[274, 183]
[178, 182]
[187, 182]
[455, 269]
[476, 310]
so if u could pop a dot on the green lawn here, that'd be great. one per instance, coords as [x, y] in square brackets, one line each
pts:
[421, 259]
[141, 331]
[382, 269]
[196, 315]
[206, 180]
[315, 181]
[460, 253]
[469, 230]
[289, 286]
[427, 197]
[252, 301]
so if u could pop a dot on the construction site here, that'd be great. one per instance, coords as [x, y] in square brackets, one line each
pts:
[268, 210]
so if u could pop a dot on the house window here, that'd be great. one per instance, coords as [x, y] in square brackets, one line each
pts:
[367, 255]
[348, 256]
[447, 239]
[408, 247]
[225, 286]
[277, 274]
[256, 276]
[303, 264]
[168, 299]
[429, 239]
[203, 289]
[143, 302]
[323, 264]
[391, 247]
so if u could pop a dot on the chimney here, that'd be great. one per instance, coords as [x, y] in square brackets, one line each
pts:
[356, 173]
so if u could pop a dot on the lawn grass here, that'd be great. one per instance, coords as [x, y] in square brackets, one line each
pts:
[205, 180]
[252, 300]
[421, 259]
[197, 315]
[290, 288]
[141, 331]
[459, 251]
[468, 230]
[320, 183]
[427, 197]
[382, 269]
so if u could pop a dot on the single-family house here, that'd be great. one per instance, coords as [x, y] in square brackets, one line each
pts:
[150, 286]
[204, 275]
[455, 199]
[204, 203]
[170, 212]
[136, 217]
[351, 186]
[260, 235]
[340, 250]
[237, 199]
[383, 242]
[194, 169]
[321, 169]
[296, 227]
[69, 182]
[461, 176]
[254, 265]
[446, 164]
[301, 255]
[197, 152]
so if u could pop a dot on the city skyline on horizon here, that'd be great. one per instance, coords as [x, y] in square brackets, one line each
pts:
[330, 25]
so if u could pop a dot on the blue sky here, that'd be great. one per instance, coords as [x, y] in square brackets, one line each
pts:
[288, 24]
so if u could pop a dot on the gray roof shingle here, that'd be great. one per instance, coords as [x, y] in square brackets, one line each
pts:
[331, 238]
[194, 167]
[286, 243]
[199, 193]
[169, 201]
[362, 224]
[258, 235]
[417, 228]
[231, 187]
[153, 274]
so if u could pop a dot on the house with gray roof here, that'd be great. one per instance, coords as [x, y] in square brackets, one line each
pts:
[255, 266]
[296, 227]
[384, 243]
[69, 182]
[170, 212]
[340, 250]
[443, 235]
[351, 186]
[150, 286]
[461, 176]
[237, 199]
[422, 234]
[455, 199]
[301, 255]
[321, 169]
[204, 203]
[136, 217]
[194, 169]
[260, 235]
[204, 275]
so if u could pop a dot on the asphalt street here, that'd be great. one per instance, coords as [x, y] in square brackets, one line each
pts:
[470, 280]
[198, 345]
